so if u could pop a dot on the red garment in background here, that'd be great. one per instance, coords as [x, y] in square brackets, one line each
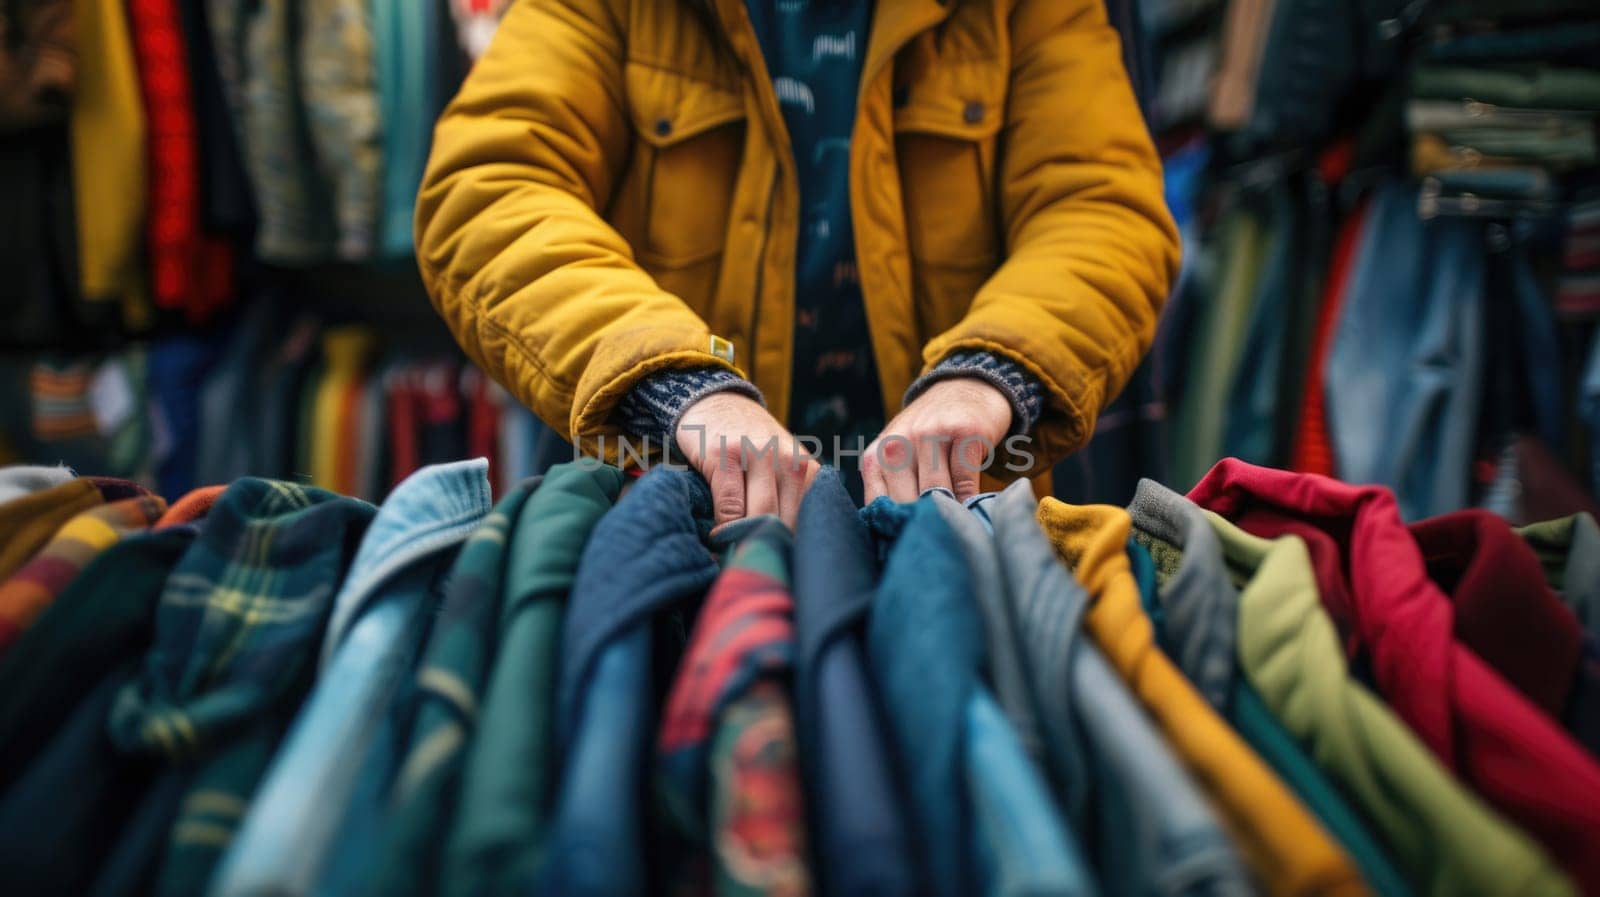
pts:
[483, 424]
[1375, 586]
[1313, 449]
[406, 453]
[1504, 609]
[189, 271]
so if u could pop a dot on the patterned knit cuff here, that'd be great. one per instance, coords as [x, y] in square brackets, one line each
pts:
[1024, 390]
[656, 403]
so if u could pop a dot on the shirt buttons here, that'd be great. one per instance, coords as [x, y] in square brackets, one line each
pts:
[973, 113]
[663, 127]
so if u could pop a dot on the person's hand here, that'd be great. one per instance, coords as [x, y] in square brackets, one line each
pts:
[943, 438]
[752, 463]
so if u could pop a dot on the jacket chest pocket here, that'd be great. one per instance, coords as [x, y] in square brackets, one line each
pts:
[688, 149]
[945, 137]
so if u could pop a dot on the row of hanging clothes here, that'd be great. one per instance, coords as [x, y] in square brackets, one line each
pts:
[162, 157]
[1272, 685]
[276, 390]
[1389, 214]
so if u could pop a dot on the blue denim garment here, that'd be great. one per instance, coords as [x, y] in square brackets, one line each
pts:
[1404, 373]
[1541, 347]
[1023, 845]
[860, 835]
[646, 555]
[1147, 827]
[178, 369]
[926, 648]
[1003, 658]
[1198, 618]
[229, 420]
[377, 623]
[1589, 408]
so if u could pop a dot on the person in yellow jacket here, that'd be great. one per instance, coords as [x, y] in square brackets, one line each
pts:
[696, 221]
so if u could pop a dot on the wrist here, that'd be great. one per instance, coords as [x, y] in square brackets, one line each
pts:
[982, 400]
[656, 406]
[1023, 392]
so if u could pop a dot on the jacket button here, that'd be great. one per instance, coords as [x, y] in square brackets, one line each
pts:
[973, 113]
[663, 127]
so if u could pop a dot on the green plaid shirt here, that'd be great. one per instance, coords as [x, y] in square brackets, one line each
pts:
[444, 707]
[236, 635]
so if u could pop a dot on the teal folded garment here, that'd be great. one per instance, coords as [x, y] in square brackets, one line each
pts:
[1536, 85]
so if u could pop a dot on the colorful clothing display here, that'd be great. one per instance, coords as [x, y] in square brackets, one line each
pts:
[1373, 581]
[584, 688]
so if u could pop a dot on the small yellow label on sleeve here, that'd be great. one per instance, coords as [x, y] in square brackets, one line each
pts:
[722, 348]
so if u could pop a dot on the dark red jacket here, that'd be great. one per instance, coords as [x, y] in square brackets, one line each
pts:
[1375, 585]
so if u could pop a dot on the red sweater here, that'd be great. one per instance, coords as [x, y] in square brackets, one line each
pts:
[1375, 585]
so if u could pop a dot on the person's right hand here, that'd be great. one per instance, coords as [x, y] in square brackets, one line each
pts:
[752, 463]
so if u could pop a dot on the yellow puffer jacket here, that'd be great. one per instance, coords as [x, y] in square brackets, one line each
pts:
[612, 193]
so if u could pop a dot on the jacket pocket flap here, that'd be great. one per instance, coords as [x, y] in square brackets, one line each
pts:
[668, 107]
[961, 102]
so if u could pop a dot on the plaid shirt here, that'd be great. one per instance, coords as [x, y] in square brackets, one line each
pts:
[444, 706]
[236, 635]
[30, 590]
[727, 762]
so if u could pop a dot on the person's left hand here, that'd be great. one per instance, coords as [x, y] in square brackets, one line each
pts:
[943, 438]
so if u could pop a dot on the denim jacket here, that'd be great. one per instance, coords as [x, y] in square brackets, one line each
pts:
[378, 620]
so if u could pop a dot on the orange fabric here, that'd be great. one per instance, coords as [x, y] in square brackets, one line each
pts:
[27, 523]
[191, 507]
[1289, 851]
[346, 480]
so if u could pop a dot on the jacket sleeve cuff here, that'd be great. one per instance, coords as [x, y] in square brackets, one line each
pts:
[1024, 391]
[655, 405]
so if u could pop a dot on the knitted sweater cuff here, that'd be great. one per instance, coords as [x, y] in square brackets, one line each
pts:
[1024, 391]
[657, 403]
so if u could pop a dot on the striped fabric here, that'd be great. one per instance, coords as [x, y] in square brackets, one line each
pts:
[27, 523]
[61, 408]
[33, 588]
[727, 757]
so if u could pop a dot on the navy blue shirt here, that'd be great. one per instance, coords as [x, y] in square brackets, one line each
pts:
[815, 50]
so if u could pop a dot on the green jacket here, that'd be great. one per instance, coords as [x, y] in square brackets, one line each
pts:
[507, 783]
